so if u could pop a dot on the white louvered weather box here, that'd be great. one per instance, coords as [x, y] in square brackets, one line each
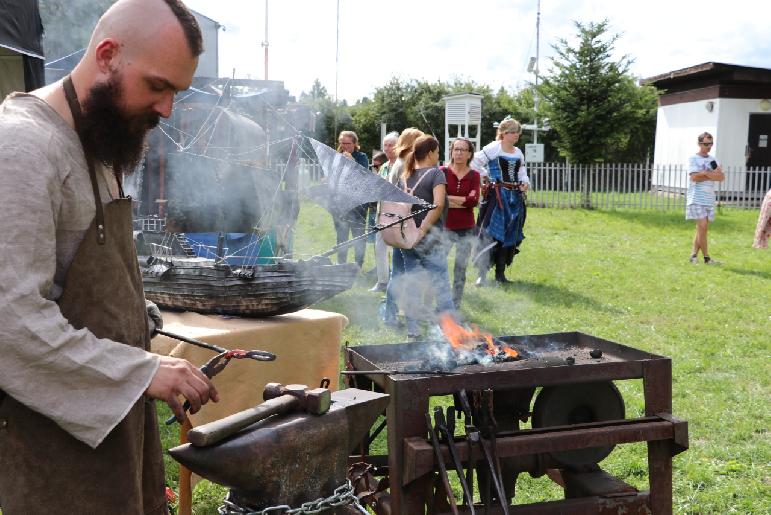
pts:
[462, 119]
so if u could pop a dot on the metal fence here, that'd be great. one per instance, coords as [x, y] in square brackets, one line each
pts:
[310, 172]
[620, 185]
[637, 186]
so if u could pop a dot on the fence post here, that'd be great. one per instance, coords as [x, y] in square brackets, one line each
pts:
[586, 202]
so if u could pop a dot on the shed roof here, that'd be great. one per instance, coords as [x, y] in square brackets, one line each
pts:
[711, 72]
[711, 80]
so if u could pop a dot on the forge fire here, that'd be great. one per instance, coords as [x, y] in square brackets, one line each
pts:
[474, 345]
[462, 346]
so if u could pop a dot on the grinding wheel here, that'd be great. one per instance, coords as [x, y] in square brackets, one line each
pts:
[578, 404]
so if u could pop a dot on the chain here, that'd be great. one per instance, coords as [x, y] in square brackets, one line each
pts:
[342, 496]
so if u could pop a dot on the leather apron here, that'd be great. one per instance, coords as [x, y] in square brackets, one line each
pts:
[44, 469]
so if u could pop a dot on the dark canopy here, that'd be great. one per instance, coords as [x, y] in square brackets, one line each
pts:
[21, 31]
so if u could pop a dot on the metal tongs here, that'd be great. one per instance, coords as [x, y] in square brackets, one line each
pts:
[489, 450]
[218, 363]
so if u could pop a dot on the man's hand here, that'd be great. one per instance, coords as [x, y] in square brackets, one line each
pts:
[523, 186]
[154, 319]
[177, 377]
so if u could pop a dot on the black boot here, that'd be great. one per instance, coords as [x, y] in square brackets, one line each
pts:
[500, 266]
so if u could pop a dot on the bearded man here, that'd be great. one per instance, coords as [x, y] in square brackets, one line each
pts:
[78, 429]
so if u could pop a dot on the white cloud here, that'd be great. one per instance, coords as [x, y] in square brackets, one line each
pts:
[489, 41]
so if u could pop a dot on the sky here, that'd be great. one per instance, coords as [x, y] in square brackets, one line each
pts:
[487, 41]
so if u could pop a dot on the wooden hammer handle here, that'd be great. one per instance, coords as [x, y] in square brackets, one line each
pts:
[213, 432]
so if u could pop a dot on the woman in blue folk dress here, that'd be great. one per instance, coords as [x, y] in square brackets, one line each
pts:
[502, 211]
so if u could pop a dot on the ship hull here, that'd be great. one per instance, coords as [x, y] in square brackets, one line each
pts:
[257, 291]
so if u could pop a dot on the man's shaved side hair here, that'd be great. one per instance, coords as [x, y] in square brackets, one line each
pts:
[139, 21]
[189, 26]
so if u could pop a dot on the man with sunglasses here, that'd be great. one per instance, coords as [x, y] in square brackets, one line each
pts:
[703, 171]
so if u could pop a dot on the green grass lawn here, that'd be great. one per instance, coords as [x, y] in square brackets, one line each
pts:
[625, 276]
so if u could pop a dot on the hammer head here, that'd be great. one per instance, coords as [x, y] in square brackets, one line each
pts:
[273, 390]
[315, 401]
[318, 401]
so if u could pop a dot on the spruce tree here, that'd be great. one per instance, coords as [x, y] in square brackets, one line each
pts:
[587, 98]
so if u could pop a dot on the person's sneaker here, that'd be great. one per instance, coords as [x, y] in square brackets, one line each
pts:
[379, 287]
[693, 260]
[709, 261]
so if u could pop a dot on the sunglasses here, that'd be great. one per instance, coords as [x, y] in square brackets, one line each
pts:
[709, 144]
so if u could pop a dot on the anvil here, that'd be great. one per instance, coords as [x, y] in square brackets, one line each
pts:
[288, 459]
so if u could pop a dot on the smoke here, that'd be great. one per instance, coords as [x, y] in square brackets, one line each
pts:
[68, 24]
[425, 289]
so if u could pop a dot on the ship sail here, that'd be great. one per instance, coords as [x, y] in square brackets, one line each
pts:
[348, 184]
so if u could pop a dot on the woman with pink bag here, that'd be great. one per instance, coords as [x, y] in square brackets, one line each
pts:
[425, 264]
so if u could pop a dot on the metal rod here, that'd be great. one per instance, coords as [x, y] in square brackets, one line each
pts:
[441, 424]
[440, 461]
[375, 230]
[377, 431]
[396, 372]
[192, 341]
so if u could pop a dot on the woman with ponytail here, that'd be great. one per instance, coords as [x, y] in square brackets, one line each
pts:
[422, 178]
[394, 289]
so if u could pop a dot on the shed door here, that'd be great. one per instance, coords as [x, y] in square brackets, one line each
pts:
[758, 151]
[759, 140]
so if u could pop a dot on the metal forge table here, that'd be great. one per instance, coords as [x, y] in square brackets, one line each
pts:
[410, 459]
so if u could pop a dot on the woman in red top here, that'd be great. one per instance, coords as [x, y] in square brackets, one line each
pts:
[463, 185]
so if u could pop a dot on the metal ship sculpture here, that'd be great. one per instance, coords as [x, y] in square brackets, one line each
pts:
[204, 286]
[250, 280]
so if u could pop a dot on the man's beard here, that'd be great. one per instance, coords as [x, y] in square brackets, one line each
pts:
[110, 135]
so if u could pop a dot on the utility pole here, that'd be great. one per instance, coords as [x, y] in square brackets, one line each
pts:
[537, 63]
[337, 60]
[265, 43]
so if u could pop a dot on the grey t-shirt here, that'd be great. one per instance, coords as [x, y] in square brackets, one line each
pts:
[425, 191]
[83, 383]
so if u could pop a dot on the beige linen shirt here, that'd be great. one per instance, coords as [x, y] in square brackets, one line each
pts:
[83, 383]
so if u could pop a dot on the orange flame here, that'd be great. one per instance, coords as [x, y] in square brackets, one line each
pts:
[463, 339]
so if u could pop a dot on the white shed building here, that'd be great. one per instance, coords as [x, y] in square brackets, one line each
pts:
[731, 102]
[462, 119]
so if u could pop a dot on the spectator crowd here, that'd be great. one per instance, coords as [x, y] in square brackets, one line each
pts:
[478, 201]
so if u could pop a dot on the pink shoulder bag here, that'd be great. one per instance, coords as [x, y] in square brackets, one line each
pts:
[401, 235]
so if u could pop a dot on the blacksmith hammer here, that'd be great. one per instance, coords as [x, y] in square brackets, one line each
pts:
[279, 399]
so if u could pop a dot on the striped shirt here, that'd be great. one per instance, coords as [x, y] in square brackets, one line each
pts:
[702, 193]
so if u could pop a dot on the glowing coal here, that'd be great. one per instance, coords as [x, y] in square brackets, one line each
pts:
[463, 346]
